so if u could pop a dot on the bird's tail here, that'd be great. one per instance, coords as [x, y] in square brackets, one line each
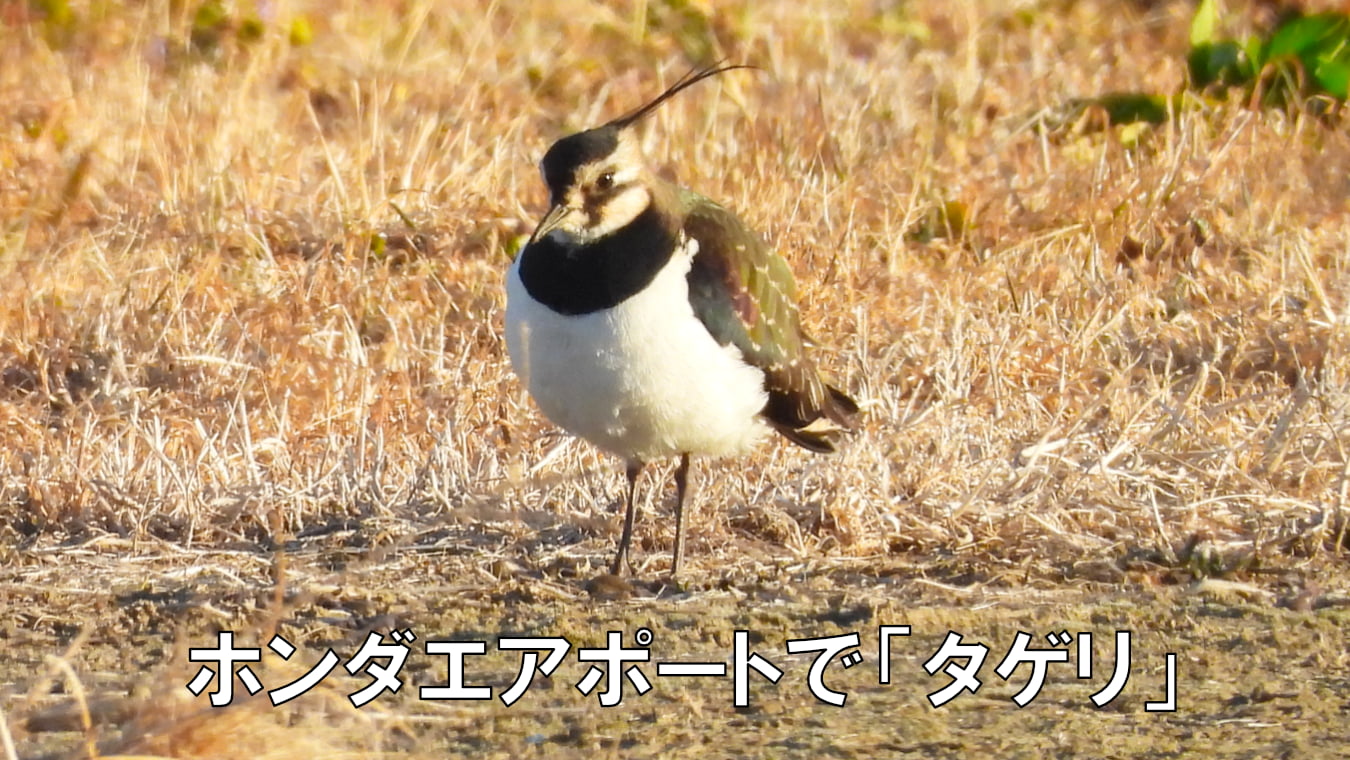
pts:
[821, 425]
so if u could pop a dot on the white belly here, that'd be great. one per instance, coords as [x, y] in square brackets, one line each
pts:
[642, 380]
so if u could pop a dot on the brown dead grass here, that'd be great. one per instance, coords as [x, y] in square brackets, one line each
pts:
[1114, 350]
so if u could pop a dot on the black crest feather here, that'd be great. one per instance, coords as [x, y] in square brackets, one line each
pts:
[562, 160]
[692, 77]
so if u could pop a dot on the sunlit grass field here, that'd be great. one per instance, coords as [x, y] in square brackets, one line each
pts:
[252, 261]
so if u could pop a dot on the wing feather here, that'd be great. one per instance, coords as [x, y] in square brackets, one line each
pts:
[745, 295]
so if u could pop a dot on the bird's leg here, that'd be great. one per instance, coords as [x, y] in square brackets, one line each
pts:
[681, 488]
[621, 559]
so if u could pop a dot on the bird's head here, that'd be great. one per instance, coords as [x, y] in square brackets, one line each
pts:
[598, 180]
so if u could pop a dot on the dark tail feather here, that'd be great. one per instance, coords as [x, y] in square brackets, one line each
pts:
[839, 409]
[842, 409]
[821, 442]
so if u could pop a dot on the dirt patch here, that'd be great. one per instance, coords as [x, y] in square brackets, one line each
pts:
[1258, 672]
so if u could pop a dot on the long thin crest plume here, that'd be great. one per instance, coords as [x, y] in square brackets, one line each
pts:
[692, 77]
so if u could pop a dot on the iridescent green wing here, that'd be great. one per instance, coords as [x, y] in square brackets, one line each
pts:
[745, 295]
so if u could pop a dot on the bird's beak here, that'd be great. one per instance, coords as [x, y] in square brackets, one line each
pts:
[551, 220]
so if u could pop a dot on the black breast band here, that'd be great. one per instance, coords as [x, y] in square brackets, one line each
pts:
[580, 279]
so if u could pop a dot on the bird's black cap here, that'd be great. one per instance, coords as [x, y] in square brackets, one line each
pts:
[561, 162]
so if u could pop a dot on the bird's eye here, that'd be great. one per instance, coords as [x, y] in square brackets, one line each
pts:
[605, 181]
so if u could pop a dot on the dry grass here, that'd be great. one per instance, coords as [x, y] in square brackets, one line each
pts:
[1070, 346]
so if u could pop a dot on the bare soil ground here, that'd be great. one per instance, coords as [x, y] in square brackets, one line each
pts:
[1258, 673]
[252, 379]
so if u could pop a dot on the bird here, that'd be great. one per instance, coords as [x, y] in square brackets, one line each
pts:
[654, 323]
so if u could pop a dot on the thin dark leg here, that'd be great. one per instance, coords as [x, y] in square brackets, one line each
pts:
[621, 559]
[681, 488]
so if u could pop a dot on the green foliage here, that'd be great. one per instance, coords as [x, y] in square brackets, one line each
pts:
[703, 31]
[209, 25]
[216, 23]
[1131, 107]
[302, 33]
[945, 220]
[1320, 44]
[1303, 56]
[1203, 23]
[689, 24]
[214, 26]
[58, 20]
[1132, 112]
[1225, 63]
[896, 21]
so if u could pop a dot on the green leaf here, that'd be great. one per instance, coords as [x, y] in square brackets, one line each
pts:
[1309, 53]
[1132, 107]
[209, 24]
[1257, 55]
[688, 23]
[1204, 21]
[1304, 35]
[1331, 69]
[251, 29]
[946, 219]
[210, 16]
[1321, 46]
[301, 32]
[1334, 77]
[1216, 62]
[58, 21]
[1131, 134]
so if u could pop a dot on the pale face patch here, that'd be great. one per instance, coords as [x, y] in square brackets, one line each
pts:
[606, 194]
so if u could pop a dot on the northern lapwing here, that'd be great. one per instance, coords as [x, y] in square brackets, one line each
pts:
[652, 322]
